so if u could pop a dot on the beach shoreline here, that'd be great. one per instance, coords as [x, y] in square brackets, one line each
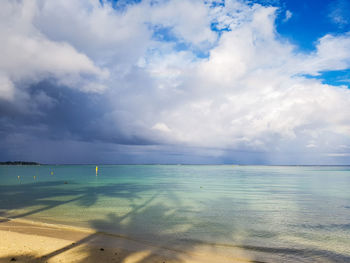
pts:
[174, 214]
[31, 241]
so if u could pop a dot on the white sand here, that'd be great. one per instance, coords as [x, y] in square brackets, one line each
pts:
[27, 241]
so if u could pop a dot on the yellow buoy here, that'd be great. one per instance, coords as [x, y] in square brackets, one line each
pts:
[96, 169]
[51, 173]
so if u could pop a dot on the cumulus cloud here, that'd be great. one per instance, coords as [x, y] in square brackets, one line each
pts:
[29, 56]
[220, 80]
[250, 92]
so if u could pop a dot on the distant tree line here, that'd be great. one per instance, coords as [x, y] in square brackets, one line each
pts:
[19, 163]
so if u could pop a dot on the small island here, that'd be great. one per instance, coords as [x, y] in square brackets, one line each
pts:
[19, 163]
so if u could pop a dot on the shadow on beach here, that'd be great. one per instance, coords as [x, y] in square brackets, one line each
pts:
[156, 244]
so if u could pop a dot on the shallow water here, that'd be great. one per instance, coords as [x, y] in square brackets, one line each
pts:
[275, 213]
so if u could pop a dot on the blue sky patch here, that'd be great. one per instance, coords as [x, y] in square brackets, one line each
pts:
[335, 78]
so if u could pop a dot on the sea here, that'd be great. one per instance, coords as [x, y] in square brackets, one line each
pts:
[273, 213]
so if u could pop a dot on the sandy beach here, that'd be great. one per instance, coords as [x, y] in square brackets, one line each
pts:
[174, 214]
[27, 241]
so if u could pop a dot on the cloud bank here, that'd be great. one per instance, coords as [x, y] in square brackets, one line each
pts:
[153, 81]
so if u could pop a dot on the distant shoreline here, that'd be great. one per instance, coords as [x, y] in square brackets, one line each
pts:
[180, 164]
[19, 163]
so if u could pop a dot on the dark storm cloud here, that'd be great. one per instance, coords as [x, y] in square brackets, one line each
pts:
[70, 115]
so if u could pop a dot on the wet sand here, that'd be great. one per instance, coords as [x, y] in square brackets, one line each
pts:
[27, 241]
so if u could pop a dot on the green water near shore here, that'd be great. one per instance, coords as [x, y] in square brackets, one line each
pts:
[278, 213]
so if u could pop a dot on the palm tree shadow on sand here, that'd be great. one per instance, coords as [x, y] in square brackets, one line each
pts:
[150, 231]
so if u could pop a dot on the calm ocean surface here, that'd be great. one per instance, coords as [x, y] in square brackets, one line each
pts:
[275, 213]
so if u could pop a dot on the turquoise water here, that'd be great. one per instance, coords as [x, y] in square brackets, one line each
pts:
[275, 213]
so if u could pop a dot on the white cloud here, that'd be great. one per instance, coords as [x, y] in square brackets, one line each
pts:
[250, 93]
[161, 127]
[29, 56]
[338, 154]
[6, 88]
[101, 32]
[190, 22]
[332, 53]
[288, 16]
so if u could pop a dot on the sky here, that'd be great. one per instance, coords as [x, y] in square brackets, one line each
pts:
[175, 81]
